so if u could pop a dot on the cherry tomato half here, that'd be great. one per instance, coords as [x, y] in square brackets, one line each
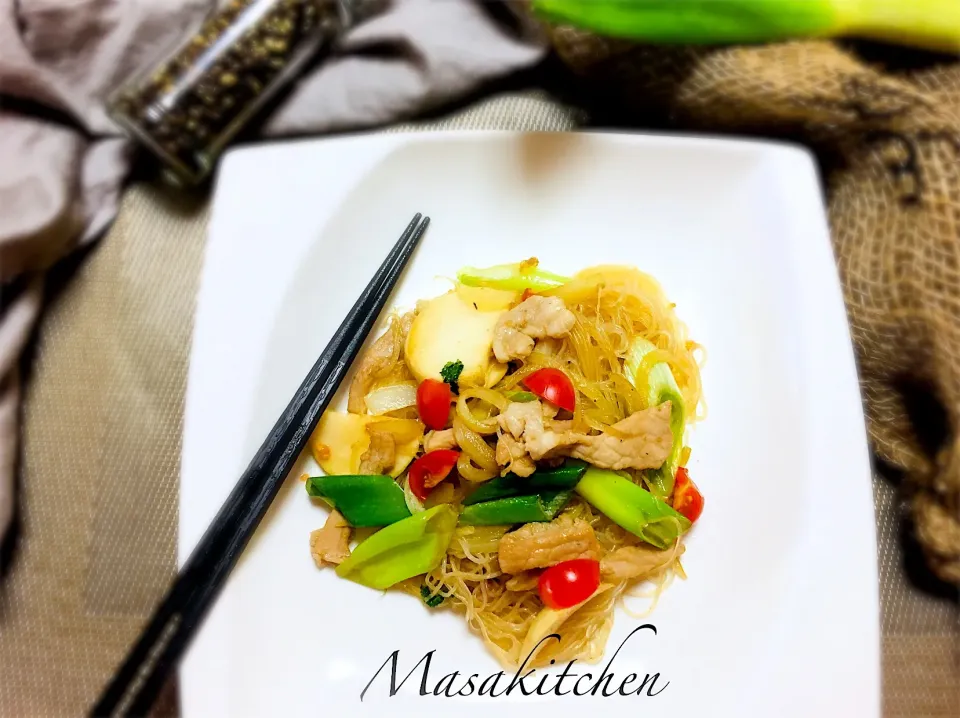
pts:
[429, 470]
[433, 403]
[554, 386]
[569, 583]
[687, 498]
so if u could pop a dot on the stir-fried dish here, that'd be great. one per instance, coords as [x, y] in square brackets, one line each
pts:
[513, 450]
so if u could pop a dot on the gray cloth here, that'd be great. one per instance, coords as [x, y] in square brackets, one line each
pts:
[62, 160]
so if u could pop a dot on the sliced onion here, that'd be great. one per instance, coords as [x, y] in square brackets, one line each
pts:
[391, 398]
[469, 471]
[473, 447]
[414, 505]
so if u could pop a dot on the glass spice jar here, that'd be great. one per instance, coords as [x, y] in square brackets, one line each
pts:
[188, 107]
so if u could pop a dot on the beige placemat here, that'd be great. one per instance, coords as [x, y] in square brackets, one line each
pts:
[103, 422]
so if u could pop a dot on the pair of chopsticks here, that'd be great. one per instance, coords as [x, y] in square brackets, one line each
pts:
[143, 673]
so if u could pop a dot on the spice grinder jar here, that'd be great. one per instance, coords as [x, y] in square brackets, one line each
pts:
[188, 107]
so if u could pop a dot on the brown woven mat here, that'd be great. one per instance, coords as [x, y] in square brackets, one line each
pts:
[101, 454]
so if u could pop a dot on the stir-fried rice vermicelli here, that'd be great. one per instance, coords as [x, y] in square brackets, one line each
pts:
[611, 307]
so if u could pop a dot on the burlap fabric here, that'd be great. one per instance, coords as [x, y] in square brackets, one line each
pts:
[887, 132]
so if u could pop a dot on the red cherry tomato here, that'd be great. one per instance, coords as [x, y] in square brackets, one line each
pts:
[433, 403]
[554, 386]
[687, 498]
[569, 583]
[429, 470]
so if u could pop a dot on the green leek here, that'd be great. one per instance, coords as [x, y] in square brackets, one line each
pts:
[408, 548]
[511, 277]
[431, 599]
[927, 24]
[632, 507]
[661, 386]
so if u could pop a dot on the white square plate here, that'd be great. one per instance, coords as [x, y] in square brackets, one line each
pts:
[779, 615]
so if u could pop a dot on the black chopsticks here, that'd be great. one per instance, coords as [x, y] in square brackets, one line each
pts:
[139, 679]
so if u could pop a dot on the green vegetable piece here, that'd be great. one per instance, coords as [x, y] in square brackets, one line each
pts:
[661, 387]
[363, 500]
[402, 550]
[451, 373]
[432, 600]
[521, 396]
[632, 507]
[513, 277]
[697, 21]
[926, 24]
[516, 509]
[562, 477]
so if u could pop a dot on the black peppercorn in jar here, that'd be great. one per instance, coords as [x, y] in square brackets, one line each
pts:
[188, 107]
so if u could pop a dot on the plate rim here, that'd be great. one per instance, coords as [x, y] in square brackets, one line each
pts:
[233, 164]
